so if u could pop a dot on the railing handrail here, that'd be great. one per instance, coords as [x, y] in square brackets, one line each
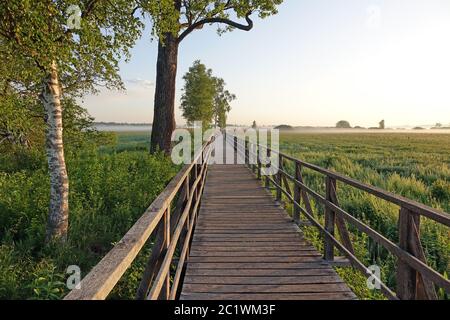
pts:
[409, 251]
[415, 206]
[101, 280]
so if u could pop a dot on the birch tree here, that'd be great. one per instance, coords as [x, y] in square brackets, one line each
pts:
[64, 47]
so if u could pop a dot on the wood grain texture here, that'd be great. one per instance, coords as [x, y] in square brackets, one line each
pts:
[245, 246]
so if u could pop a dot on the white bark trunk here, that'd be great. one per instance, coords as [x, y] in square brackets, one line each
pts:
[59, 183]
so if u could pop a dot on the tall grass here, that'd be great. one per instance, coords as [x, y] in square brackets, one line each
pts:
[109, 190]
[416, 166]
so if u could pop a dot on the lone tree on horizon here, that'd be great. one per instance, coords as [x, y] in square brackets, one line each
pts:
[343, 124]
[382, 124]
[173, 21]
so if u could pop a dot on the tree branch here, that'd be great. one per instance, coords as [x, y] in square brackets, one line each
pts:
[231, 23]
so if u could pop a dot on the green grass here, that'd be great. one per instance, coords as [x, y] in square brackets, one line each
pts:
[109, 191]
[129, 140]
[416, 166]
[111, 186]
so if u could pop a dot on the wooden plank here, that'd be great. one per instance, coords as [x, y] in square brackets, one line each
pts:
[251, 280]
[248, 230]
[259, 226]
[240, 240]
[269, 296]
[292, 253]
[231, 259]
[246, 244]
[244, 229]
[261, 272]
[259, 238]
[273, 265]
[247, 223]
[249, 246]
[272, 288]
[288, 235]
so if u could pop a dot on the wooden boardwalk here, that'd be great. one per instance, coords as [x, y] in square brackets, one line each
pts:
[235, 242]
[245, 246]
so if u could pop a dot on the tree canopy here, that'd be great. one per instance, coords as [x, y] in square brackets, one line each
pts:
[173, 21]
[222, 101]
[183, 17]
[343, 124]
[198, 94]
[205, 97]
[33, 34]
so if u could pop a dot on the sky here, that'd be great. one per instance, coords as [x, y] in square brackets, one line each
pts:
[314, 63]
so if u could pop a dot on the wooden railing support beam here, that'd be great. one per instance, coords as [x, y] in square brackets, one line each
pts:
[297, 194]
[330, 220]
[410, 284]
[267, 166]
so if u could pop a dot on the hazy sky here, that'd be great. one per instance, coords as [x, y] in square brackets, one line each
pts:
[316, 62]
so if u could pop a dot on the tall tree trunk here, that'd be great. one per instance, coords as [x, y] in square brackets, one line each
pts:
[59, 183]
[164, 109]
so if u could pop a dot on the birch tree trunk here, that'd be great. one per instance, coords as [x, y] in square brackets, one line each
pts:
[59, 183]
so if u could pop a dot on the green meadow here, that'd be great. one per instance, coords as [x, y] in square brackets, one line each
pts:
[112, 184]
[416, 166]
[110, 187]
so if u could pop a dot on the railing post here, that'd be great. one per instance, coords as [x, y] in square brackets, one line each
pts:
[235, 146]
[267, 166]
[188, 220]
[153, 264]
[330, 219]
[279, 177]
[410, 283]
[297, 193]
[165, 291]
[246, 152]
[193, 174]
[258, 160]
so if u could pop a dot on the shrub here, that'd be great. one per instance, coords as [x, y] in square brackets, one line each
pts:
[108, 193]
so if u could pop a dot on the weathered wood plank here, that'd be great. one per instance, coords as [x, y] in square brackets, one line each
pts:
[260, 238]
[269, 296]
[271, 288]
[261, 272]
[297, 259]
[246, 244]
[274, 265]
[292, 253]
[248, 232]
[246, 247]
[252, 280]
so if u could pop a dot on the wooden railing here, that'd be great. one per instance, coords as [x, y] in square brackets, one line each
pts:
[414, 278]
[169, 222]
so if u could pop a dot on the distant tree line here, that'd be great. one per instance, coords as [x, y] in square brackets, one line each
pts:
[344, 124]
